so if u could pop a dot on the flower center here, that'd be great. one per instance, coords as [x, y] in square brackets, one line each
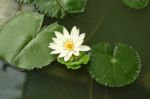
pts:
[69, 45]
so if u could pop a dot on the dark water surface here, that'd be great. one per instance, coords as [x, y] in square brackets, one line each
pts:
[103, 20]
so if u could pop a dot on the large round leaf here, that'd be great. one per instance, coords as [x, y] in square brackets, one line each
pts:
[21, 43]
[114, 68]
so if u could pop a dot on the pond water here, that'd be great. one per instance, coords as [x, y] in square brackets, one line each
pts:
[103, 20]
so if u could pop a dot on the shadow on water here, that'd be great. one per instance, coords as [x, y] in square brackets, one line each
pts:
[103, 20]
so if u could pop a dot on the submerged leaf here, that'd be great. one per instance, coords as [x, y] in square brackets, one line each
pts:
[23, 45]
[114, 68]
[136, 4]
[76, 61]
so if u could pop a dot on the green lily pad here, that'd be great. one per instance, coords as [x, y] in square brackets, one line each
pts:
[76, 61]
[23, 44]
[114, 68]
[59, 8]
[136, 4]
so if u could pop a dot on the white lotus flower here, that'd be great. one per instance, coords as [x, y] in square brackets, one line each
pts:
[67, 44]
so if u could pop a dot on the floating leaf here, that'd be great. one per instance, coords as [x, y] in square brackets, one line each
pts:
[59, 8]
[76, 61]
[136, 4]
[23, 45]
[114, 68]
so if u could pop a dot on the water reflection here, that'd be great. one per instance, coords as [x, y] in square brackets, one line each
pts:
[145, 80]
[56, 82]
[11, 83]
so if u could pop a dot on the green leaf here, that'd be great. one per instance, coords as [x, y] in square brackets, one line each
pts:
[76, 61]
[59, 8]
[23, 45]
[136, 4]
[25, 1]
[114, 68]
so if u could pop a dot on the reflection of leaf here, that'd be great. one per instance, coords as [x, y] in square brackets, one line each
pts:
[21, 43]
[136, 4]
[114, 69]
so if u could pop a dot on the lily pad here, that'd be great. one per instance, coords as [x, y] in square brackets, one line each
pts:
[136, 4]
[59, 8]
[114, 68]
[23, 44]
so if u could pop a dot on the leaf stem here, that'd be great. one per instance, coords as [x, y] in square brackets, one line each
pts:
[25, 87]
[95, 29]
[80, 19]
[64, 90]
[106, 93]
[91, 89]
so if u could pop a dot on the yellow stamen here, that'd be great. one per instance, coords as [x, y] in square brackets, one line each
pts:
[69, 45]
